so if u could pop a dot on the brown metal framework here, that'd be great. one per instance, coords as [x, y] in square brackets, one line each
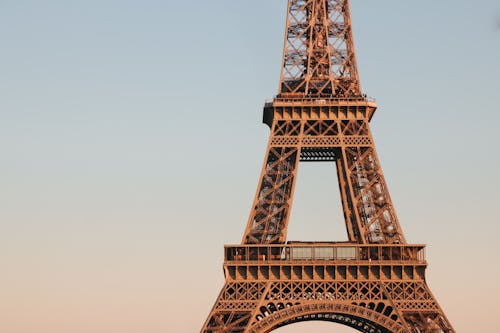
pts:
[375, 282]
[319, 57]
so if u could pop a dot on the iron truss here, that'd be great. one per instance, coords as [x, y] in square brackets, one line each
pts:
[370, 216]
[319, 57]
[375, 282]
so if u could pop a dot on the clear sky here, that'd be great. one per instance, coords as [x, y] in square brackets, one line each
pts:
[131, 146]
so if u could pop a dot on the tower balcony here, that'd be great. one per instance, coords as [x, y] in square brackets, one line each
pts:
[321, 252]
[324, 262]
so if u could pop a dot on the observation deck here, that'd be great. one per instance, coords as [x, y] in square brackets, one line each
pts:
[324, 261]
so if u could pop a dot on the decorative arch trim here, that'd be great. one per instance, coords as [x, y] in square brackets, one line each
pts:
[355, 316]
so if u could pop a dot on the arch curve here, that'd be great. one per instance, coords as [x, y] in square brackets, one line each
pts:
[360, 318]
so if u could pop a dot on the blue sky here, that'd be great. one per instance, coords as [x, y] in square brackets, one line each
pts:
[131, 145]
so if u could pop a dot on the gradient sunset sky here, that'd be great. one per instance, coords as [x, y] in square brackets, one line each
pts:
[131, 145]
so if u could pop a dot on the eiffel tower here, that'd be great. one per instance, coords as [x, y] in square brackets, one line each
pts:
[374, 282]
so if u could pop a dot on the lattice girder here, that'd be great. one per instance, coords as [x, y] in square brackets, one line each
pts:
[319, 57]
[375, 282]
[374, 306]
[368, 210]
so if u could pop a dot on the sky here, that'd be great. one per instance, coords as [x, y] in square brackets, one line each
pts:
[131, 145]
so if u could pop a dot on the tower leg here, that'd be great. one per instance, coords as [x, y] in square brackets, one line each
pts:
[234, 308]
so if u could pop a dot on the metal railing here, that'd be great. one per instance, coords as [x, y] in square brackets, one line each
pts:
[332, 252]
[318, 101]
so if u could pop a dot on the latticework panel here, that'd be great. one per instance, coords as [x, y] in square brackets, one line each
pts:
[234, 307]
[408, 291]
[320, 128]
[228, 322]
[370, 215]
[242, 291]
[271, 209]
[261, 306]
[272, 206]
[368, 194]
[420, 308]
[371, 199]
[411, 296]
[371, 306]
[432, 322]
[325, 290]
[319, 57]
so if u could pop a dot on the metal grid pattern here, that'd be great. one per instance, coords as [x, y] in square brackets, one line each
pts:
[374, 283]
[370, 215]
[319, 57]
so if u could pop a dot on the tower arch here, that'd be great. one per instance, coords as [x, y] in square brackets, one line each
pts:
[355, 316]
[316, 326]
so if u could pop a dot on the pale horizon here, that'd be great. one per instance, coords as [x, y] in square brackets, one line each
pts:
[131, 145]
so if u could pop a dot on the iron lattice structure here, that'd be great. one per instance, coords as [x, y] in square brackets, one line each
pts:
[319, 57]
[374, 282]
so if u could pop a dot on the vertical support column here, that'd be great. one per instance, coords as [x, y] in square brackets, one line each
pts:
[366, 186]
[352, 220]
[318, 56]
[351, 84]
[268, 220]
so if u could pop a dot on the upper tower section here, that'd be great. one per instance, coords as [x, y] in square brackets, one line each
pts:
[319, 59]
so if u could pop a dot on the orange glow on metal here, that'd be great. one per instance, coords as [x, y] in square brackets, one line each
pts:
[375, 282]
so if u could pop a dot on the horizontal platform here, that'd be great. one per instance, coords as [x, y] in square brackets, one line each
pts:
[318, 109]
[361, 100]
[411, 253]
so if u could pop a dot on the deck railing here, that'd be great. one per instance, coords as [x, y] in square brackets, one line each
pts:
[319, 101]
[318, 252]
